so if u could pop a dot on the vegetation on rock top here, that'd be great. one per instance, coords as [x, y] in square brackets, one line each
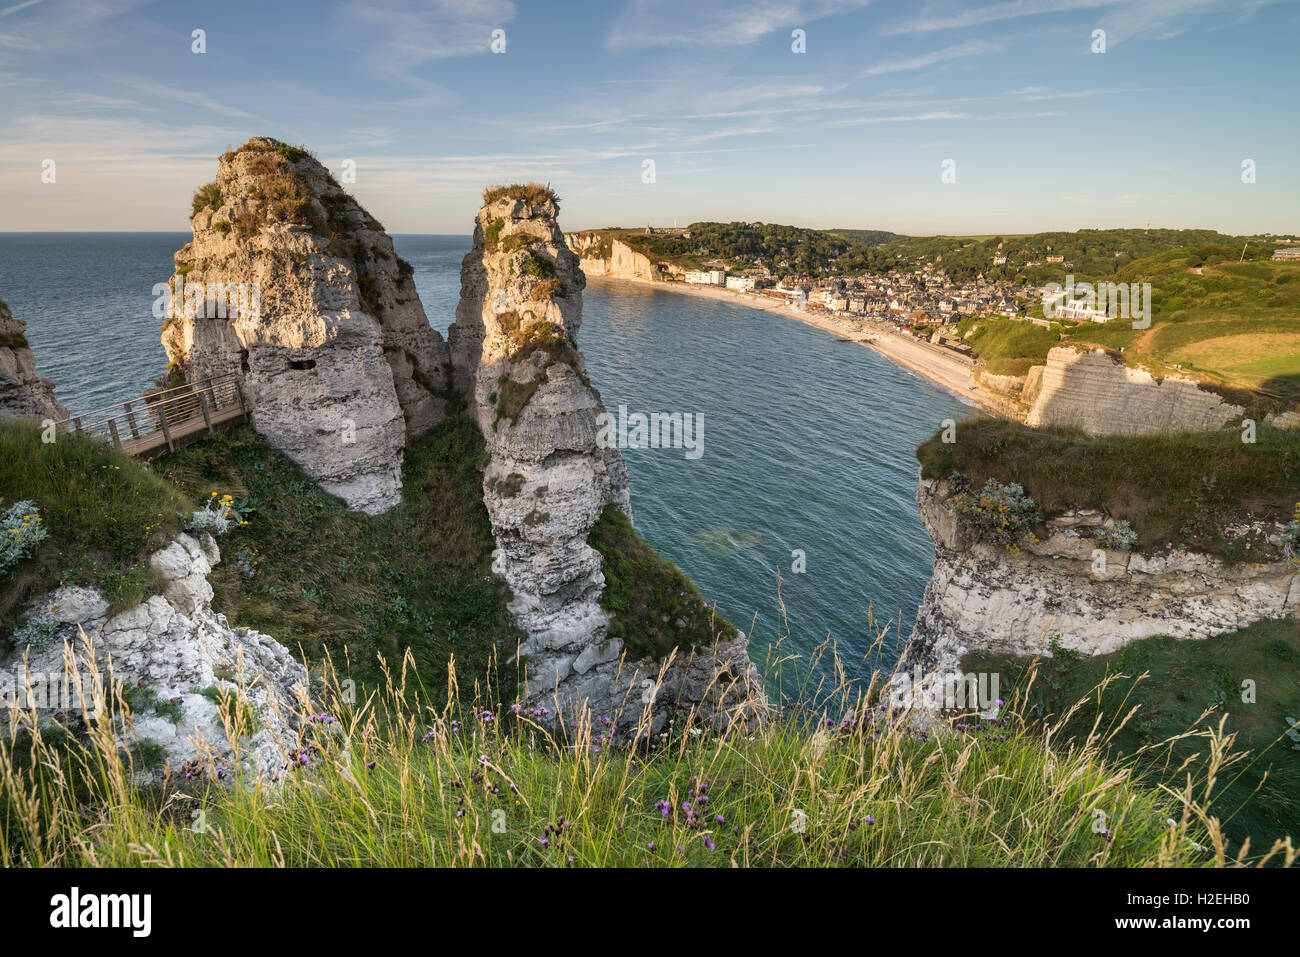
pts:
[535, 194]
[1182, 490]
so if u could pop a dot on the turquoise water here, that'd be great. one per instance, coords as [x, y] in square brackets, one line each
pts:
[808, 442]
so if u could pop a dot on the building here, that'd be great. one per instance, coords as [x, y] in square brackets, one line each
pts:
[706, 277]
[1291, 254]
[742, 283]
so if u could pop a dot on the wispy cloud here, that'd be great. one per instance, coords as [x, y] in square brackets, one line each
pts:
[920, 61]
[689, 23]
[190, 97]
[1123, 18]
[976, 16]
[60, 26]
[400, 34]
[19, 6]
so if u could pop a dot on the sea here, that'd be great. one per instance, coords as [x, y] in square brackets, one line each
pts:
[794, 514]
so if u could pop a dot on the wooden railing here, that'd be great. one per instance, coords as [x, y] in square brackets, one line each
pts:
[157, 420]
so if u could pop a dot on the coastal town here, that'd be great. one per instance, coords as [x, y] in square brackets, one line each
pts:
[916, 302]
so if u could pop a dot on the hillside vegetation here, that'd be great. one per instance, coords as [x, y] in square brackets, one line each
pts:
[1093, 254]
[325, 580]
[1183, 490]
[104, 514]
[1182, 686]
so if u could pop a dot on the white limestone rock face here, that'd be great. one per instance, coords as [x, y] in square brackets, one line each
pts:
[1093, 392]
[337, 360]
[23, 394]
[176, 646]
[986, 598]
[515, 358]
[606, 256]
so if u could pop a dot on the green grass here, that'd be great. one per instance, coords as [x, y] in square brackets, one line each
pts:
[655, 607]
[1008, 346]
[539, 267]
[1181, 489]
[331, 581]
[104, 512]
[406, 779]
[1259, 796]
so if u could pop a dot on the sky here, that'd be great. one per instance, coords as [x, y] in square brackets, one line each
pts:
[1035, 127]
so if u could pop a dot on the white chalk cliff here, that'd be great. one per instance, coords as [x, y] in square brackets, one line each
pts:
[177, 647]
[1093, 392]
[985, 597]
[601, 255]
[514, 351]
[337, 360]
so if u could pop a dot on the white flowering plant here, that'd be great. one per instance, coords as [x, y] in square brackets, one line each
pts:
[1291, 537]
[998, 514]
[216, 517]
[21, 530]
[1120, 536]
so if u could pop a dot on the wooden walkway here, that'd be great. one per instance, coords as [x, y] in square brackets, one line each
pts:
[159, 422]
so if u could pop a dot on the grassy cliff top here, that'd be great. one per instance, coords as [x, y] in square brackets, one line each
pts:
[104, 514]
[1182, 489]
[533, 193]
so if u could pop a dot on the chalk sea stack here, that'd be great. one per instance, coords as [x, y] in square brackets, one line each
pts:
[340, 369]
[22, 392]
[549, 481]
[335, 355]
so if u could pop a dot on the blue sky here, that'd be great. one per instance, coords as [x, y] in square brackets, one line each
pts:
[1045, 134]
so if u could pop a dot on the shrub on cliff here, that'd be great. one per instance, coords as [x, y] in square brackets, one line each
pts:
[998, 514]
[21, 530]
[207, 197]
[1120, 535]
[1291, 537]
